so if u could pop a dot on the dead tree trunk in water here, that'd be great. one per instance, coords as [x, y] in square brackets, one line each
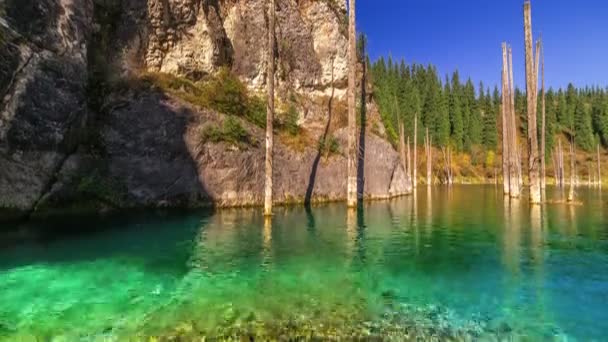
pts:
[402, 148]
[572, 173]
[415, 166]
[599, 168]
[505, 119]
[270, 110]
[352, 120]
[515, 173]
[531, 91]
[543, 139]
[450, 176]
[562, 174]
[429, 159]
[409, 160]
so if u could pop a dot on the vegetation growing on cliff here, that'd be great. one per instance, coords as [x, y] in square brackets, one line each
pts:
[230, 131]
[223, 92]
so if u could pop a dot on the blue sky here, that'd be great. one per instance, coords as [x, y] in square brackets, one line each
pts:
[466, 34]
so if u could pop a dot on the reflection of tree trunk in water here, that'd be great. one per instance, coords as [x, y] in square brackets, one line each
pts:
[429, 209]
[414, 219]
[351, 232]
[267, 241]
[538, 225]
[311, 224]
[573, 229]
[512, 235]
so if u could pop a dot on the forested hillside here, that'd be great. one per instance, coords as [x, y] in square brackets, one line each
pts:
[464, 114]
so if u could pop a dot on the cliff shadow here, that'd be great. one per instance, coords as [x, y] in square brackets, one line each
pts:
[315, 165]
[362, 131]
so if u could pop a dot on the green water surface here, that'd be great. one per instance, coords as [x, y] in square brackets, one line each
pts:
[463, 259]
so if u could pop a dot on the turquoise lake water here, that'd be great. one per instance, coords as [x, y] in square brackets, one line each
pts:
[466, 255]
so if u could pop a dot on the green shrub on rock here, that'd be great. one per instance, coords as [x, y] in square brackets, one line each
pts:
[223, 92]
[230, 132]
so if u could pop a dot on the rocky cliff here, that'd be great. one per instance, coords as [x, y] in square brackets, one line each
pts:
[77, 128]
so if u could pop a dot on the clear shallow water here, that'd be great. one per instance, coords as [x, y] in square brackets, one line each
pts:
[466, 254]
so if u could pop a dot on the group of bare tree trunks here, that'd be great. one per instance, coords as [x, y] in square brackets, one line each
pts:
[558, 164]
[511, 158]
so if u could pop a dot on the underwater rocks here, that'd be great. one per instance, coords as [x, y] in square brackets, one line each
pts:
[405, 322]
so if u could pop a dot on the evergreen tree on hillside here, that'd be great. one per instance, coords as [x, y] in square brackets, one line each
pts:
[490, 133]
[583, 136]
[551, 121]
[571, 104]
[442, 134]
[456, 117]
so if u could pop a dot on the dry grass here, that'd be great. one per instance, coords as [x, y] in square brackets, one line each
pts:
[298, 142]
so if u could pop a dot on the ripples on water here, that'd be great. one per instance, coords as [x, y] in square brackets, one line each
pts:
[466, 255]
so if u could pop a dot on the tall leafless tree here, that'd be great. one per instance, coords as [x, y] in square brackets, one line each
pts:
[415, 166]
[505, 119]
[543, 139]
[352, 120]
[270, 70]
[531, 91]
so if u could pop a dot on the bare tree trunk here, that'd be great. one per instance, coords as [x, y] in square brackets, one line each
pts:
[402, 148]
[531, 91]
[543, 141]
[415, 166]
[409, 160]
[505, 120]
[515, 173]
[270, 109]
[562, 174]
[553, 160]
[352, 120]
[450, 176]
[429, 159]
[572, 174]
[599, 168]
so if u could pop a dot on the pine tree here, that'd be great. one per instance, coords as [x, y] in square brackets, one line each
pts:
[490, 134]
[583, 136]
